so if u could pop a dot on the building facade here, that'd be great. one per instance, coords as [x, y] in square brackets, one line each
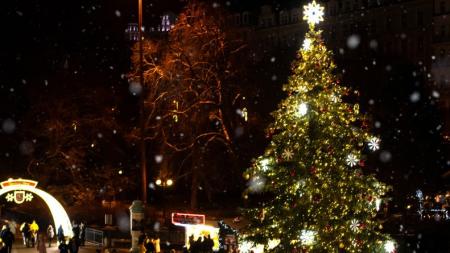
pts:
[415, 32]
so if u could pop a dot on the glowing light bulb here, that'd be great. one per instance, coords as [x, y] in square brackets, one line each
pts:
[169, 182]
[389, 246]
[158, 182]
[302, 109]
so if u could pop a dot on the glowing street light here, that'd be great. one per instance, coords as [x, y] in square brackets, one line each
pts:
[164, 182]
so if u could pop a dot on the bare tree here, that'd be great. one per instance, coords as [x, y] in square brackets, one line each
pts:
[73, 138]
[191, 87]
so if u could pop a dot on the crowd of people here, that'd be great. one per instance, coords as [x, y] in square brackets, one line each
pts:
[203, 244]
[41, 239]
[149, 244]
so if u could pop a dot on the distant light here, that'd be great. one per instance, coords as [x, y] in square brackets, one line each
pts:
[158, 182]
[120, 172]
[169, 182]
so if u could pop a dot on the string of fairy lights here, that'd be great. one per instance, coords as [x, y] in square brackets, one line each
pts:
[317, 196]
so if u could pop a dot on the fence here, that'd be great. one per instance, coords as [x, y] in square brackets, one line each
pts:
[94, 237]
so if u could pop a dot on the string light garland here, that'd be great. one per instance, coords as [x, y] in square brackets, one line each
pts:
[315, 195]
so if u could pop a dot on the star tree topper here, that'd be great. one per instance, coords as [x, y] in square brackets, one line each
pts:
[313, 13]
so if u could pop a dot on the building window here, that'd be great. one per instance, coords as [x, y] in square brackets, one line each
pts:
[420, 44]
[283, 18]
[237, 19]
[165, 23]
[404, 20]
[355, 4]
[294, 16]
[245, 18]
[388, 24]
[347, 6]
[442, 8]
[373, 27]
[404, 46]
[419, 18]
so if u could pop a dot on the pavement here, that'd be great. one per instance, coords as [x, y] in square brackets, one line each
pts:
[20, 248]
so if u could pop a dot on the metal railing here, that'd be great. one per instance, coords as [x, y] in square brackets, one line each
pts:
[94, 237]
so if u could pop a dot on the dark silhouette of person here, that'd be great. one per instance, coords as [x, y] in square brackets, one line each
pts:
[209, 244]
[82, 233]
[141, 238]
[7, 238]
[60, 234]
[149, 247]
[63, 247]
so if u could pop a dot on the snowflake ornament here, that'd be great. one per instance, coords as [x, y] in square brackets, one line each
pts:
[10, 197]
[374, 144]
[307, 44]
[354, 225]
[288, 154]
[28, 197]
[352, 160]
[264, 164]
[313, 13]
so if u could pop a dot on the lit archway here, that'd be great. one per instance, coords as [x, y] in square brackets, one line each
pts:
[20, 187]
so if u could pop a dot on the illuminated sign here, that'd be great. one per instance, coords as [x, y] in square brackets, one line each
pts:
[19, 197]
[18, 182]
[183, 219]
[20, 190]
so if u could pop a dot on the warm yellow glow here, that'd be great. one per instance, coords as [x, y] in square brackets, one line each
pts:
[313, 13]
[202, 230]
[158, 182]
[169, 182]
[58, 212]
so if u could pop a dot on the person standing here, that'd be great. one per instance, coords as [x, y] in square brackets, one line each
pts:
[34, 229]
[60, 234]
[25, 230]
[149, 247]
[41, 243]
[7, 238]
[156, 243]
[82, 233]
[63, 248]
[50, 235]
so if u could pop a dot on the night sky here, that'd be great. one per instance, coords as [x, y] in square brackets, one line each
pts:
[51, 48]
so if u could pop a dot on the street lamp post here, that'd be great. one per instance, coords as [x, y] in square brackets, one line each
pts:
[143, 149]
[164, 183]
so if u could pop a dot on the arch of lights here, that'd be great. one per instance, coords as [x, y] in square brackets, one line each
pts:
[20, 190]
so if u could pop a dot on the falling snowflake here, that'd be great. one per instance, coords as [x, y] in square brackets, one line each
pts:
[10, 197]
[313, 13]
[288, 154]
[374, 143]
[351, 160]
[354, 225]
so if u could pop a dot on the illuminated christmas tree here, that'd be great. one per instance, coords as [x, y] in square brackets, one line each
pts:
[315, 195]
